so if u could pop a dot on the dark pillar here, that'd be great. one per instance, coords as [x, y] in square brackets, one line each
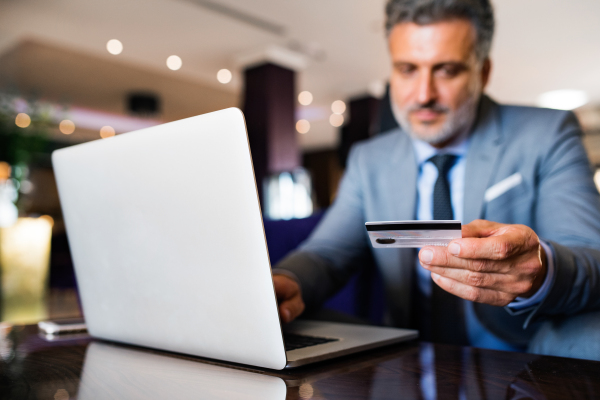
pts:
[364, 121]
[326, 172]
[386, 122]
[269, 105]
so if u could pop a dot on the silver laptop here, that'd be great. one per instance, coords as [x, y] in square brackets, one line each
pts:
[168, 243]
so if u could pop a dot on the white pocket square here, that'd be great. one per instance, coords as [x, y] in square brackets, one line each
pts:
[503, 186]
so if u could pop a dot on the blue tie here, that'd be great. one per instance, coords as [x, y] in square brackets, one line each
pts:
[442, 205]
[447, 313]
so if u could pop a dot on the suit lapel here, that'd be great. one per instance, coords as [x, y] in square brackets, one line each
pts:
[484, 152]
[482, 160]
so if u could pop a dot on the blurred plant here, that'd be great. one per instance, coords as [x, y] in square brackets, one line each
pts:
[18, 145]
[24, 129]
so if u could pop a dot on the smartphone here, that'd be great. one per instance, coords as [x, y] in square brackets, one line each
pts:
[59, 326]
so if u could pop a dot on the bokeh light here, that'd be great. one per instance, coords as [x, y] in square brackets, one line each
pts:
[338, 107]
[114, 46]
[174, 62]
[305, 98]
[66, 126]
[23, 120]
[303, 126]
[336, 120]
[5, 170]
[224, 76]
[106, 132]
[565, 99]
[306, 391]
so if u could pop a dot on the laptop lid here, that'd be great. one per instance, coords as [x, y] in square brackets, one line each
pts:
[167, 239]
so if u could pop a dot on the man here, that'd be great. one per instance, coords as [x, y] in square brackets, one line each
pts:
[517, 177]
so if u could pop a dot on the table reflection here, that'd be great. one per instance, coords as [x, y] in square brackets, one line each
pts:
[34, 366]
[450, 372]
[116, 372]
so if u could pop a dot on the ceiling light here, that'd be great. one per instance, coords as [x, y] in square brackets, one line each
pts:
[174, 62]
[565, 99]
[66, 126]
[22, 120]
[336, 120]
[114, 46]
[224, 76]
[302, 126]
[305, 98]
[338, 107]
[106, 132]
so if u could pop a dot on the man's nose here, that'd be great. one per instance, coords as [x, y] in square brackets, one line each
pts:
[426, 91]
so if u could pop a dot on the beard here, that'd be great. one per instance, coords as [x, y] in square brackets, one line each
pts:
[457, 121]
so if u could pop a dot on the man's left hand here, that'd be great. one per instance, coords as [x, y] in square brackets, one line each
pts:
[493, 263]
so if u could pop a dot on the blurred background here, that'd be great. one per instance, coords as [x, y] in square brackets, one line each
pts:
[310, 75]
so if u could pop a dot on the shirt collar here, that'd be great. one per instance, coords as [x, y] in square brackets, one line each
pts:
[424, 151]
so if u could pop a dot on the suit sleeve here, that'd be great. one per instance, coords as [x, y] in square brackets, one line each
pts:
[336, 248]
[568, 219]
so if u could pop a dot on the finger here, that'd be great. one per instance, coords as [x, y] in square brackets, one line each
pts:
[478, 295]
[440, 257]
[289, 297]
[500, 282]
[291, 309]
[285, 287]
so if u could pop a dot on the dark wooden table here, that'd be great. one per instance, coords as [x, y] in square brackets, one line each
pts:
[33, 367]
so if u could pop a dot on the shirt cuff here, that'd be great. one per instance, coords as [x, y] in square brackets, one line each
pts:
[520, 302]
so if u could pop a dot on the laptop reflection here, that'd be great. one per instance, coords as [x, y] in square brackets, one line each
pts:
[116, 372]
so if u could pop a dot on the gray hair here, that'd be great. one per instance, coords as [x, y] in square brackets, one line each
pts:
[479, 12]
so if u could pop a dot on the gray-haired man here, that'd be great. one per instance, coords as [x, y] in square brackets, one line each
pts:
[523, 168]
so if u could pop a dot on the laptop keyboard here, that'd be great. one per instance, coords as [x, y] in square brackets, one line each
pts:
[294, 342]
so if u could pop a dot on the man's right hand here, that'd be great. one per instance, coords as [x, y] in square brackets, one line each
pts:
[289, 297]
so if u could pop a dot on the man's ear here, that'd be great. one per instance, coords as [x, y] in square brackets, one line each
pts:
[486, 70]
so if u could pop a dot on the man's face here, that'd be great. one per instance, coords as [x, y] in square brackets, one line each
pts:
[436, 78]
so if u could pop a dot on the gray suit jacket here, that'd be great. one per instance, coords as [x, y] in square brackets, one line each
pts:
[556, 197]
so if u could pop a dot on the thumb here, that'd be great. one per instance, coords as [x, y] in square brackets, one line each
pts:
[480, 228]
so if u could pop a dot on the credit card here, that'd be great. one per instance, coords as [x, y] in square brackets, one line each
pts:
[390, 234]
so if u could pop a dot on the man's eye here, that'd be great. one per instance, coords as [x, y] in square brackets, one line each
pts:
[448, 71]
[406, 69]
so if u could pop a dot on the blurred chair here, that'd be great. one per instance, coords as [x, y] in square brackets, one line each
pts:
[62, 274]
[362, 296]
